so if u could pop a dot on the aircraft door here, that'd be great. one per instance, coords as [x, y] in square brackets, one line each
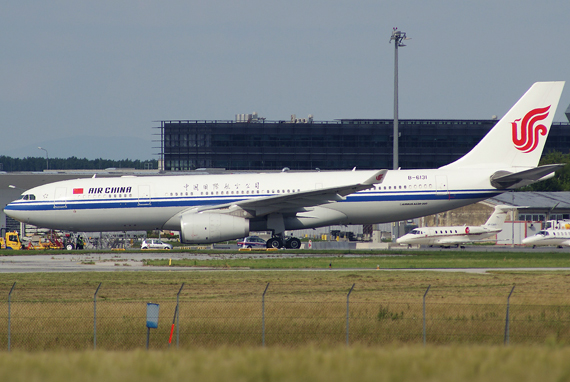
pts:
[441, 185]
[144, 195]
[60, 200]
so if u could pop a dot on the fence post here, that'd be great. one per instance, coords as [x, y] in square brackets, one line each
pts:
[507, 318]
[10, 316]
[178, 317]
[95, 317]
[347, 315]
[425, 294]
[263, 316]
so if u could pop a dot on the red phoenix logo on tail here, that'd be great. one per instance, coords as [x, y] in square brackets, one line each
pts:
[527, 140]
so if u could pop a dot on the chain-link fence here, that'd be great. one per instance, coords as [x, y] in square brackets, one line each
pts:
[284, 320]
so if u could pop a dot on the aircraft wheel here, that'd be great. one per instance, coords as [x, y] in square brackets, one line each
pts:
[293, 243]
[274, 242]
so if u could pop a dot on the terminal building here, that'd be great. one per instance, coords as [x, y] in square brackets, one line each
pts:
[253, 143]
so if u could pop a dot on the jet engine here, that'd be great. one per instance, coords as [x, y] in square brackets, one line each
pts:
[206, 228]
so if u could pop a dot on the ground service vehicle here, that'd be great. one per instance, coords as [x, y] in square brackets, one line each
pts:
[52, 242]
[155, 244]
[10, 240]
[251, 242]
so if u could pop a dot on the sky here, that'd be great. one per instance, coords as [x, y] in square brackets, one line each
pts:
[91, 78]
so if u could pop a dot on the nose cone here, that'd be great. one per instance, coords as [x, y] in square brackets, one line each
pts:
[12, 210]
[402, 240]
[529, 240]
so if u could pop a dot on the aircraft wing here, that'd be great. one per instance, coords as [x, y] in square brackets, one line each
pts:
[464, 239]
[504, 179]
[296, 202]
[452, 240]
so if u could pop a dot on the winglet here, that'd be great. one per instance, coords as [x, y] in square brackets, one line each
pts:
[376, 178]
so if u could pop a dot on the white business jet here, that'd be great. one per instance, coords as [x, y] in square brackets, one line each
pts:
[557, 237]
[213, 208]
[457, 235]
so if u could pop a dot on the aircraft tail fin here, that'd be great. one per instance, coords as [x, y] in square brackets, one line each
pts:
[498, 217]
[517, 140]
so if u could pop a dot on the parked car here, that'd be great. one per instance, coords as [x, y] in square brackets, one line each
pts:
[251, 242]
[155, 244]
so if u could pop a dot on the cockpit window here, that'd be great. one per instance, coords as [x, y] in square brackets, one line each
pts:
[543, 233]
[29, 197]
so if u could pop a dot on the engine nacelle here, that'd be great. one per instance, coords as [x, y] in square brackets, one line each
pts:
[206, 228]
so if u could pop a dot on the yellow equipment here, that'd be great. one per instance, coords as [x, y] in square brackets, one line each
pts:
[52, 242]
[10, 241]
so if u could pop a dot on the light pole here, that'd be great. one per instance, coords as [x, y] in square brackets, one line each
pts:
[47, 159]
[397, 37]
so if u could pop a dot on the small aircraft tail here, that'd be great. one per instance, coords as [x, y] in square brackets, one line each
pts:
[498, 217]
[517, 140]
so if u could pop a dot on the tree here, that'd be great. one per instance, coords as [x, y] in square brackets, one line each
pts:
[10, 164]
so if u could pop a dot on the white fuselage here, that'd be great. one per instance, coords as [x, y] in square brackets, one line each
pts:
[558, 237]
[447, 235]
[143, 203]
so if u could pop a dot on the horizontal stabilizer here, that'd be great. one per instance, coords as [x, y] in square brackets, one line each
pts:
[505, 179]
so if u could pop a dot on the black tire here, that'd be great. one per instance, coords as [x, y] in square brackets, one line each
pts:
[274, 242]
[293, 243]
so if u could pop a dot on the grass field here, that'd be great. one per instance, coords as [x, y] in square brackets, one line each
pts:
[531, 287]
[391, 299]
[55, 311]
[390, 363]
[382, 259]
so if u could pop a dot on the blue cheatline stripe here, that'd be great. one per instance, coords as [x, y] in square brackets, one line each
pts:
[213, 200]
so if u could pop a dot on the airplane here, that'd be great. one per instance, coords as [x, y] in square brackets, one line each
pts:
[457, 235]
[212, 208]
[557, 237]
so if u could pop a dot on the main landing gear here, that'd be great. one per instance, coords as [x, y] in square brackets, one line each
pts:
[288, 242]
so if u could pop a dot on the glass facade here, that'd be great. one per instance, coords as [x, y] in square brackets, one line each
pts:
[334, 145]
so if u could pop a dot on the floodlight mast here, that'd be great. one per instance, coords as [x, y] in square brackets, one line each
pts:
[47, 157]
[397, 37]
